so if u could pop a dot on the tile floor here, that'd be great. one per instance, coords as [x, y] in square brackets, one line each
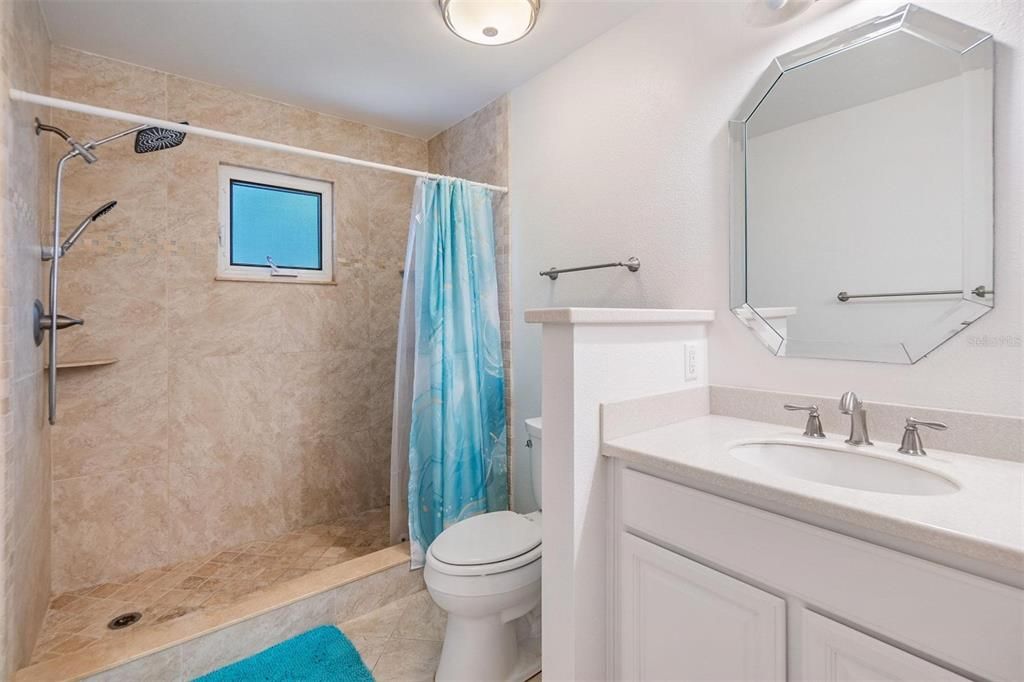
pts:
[402, 640]
[78, 619]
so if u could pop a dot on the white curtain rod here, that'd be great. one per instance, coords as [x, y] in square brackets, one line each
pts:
[68, 105]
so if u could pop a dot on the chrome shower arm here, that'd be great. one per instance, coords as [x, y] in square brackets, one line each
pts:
[40, 126]
[115, 136]
[78, 148]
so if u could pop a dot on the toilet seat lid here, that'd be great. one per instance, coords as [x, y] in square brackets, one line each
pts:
[486, 539]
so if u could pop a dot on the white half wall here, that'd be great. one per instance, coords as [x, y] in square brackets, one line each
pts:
[592, 362]
[621, 150]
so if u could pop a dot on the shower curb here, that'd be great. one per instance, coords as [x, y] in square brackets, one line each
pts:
[206, 640]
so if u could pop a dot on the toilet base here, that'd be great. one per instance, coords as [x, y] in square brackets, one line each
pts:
[478, 649]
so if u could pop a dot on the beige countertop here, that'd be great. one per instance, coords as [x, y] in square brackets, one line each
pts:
[982, 522]
[616, 315]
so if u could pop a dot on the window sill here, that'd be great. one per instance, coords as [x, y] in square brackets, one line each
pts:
[275, 280]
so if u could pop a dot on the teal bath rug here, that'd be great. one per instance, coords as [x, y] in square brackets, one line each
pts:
[320, 655]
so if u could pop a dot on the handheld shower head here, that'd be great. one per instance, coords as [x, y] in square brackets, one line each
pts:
[156, 139]
[103, 210]
[92, 217]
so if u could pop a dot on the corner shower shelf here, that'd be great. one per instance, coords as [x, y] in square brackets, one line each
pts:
[74, 364]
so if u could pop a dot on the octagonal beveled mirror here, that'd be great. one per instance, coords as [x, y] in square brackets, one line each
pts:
[862, 191]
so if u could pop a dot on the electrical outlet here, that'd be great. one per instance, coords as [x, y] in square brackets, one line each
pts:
[690, 362]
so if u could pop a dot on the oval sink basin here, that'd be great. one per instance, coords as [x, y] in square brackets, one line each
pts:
[839, 467]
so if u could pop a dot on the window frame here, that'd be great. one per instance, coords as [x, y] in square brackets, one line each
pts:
[274, 180]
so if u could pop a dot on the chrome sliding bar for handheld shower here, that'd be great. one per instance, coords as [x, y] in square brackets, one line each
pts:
[631, 264]
[52, 320]
[979, 291]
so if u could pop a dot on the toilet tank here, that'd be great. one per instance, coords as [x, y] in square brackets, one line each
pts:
[533, 432]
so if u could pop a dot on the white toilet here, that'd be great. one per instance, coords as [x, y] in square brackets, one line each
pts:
[485, 572]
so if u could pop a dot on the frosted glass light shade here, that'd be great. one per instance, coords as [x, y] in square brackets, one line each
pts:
[772, 12]
[490, 22]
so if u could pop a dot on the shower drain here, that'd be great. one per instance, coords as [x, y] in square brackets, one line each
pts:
[124, 620]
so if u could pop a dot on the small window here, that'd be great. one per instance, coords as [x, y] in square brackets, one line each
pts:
[275, 227]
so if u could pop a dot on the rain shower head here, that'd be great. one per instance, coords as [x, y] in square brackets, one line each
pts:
[147, 139]
[92, 217]
[156, 139]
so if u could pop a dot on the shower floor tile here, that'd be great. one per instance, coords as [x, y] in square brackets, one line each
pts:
[78, 619]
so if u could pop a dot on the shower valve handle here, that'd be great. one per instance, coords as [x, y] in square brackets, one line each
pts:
[63, 321]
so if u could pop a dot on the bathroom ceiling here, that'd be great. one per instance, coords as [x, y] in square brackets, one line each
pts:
[386, 63]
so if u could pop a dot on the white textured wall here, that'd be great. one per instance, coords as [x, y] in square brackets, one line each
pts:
[621, 149]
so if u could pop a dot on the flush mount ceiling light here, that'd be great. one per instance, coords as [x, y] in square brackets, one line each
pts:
[772, 12]
[490, 22]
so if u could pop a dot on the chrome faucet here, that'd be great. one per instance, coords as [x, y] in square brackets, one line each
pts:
[911, 444]
[813, 427]
[850, 404]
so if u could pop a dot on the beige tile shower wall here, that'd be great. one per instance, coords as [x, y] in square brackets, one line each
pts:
[236, 410]
[24, 55]
[476, 148]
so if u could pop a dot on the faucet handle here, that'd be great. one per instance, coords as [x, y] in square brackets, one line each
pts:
[911, 443]
[813, 428]
[914, 423]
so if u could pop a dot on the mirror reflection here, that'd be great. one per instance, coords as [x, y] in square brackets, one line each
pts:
[862, 224]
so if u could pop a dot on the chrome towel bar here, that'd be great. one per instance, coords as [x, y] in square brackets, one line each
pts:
[631, 264]
[979, 291]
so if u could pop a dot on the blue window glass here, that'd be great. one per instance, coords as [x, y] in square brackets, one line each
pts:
[279, 222]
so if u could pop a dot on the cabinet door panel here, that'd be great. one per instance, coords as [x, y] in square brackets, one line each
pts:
[681, 620]
[831, 652]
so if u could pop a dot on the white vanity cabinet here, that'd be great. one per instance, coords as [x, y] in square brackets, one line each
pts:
[707, 588]
[683, 620]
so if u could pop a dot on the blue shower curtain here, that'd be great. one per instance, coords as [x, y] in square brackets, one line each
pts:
[453, 372]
